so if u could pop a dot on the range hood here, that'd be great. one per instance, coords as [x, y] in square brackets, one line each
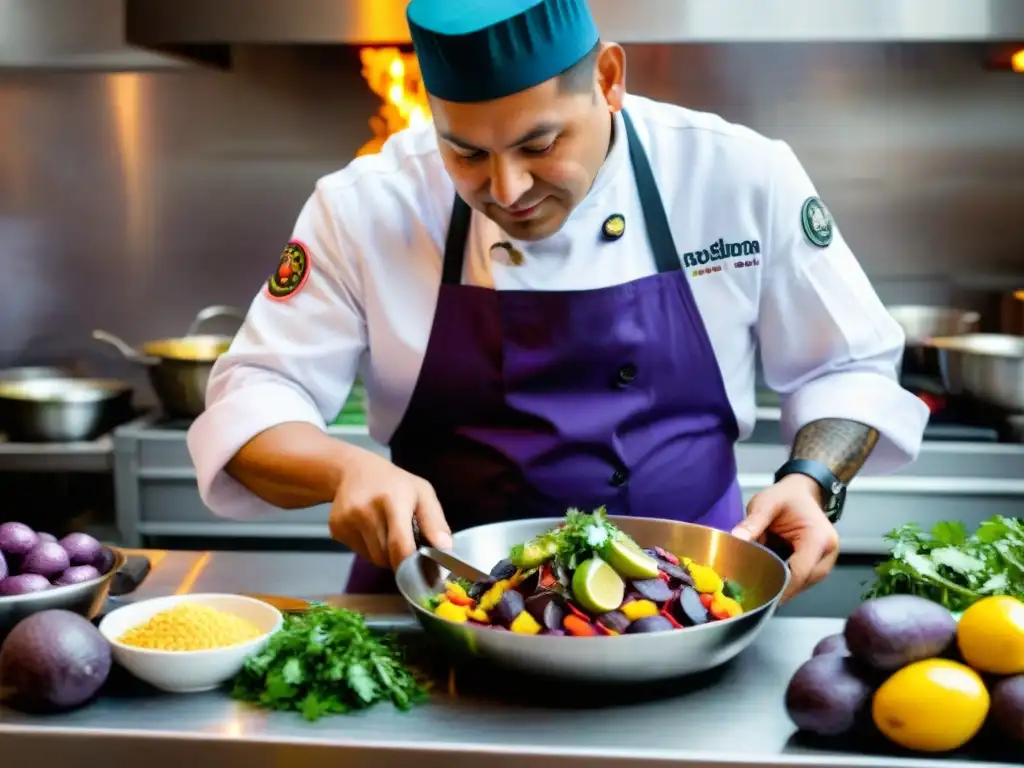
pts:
[71, 34]
[182, 25]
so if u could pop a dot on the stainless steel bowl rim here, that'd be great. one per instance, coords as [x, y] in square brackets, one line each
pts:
[551, 522]
[119, 561]
[973, 344]
[62, 390]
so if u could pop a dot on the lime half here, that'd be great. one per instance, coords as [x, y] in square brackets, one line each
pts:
[629, 561]
[597, 587]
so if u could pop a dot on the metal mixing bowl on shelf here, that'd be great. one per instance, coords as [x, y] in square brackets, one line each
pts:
[626, 658]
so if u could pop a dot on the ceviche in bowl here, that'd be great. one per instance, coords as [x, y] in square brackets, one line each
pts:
[597, 597]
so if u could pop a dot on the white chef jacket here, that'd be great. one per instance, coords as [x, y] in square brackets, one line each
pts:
[376, 232]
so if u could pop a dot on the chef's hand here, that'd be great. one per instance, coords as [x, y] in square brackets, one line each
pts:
[791, 509]
[375, 505]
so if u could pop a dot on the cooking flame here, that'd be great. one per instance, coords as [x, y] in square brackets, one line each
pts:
[395, 77]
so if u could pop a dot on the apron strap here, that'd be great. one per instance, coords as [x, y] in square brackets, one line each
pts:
[455, 244]
[659, 235]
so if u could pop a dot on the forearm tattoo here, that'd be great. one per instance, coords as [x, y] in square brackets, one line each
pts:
[843, 446]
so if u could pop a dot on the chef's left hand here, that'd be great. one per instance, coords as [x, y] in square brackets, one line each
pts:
[791, 509]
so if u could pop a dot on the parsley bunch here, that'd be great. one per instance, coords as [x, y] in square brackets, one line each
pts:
[327, 661]
[951, 566]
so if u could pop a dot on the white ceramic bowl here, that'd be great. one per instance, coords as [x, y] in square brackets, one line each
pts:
[188, 671]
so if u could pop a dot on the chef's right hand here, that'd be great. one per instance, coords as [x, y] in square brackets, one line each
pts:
[374, 508]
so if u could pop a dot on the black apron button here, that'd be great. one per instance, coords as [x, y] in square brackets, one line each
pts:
[619, 478]
[627, 373]
[614, 227]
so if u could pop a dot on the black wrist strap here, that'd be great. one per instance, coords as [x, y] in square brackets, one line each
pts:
[832, 488]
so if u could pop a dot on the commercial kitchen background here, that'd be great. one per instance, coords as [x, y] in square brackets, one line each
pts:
[128, 201]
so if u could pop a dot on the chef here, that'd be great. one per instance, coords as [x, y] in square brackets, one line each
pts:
[554, 294]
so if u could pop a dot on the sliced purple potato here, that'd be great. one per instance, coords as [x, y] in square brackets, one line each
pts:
[616, 621]
[548, 608]
[554, 632]
[650, 624]
[529, 585]
[504, 569]
[509, 606]
[688, 609]
[655, 590]
[477, 588]
[678, 575]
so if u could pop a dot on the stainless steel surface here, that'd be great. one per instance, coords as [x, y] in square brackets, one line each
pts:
[635, 658]
[71, 34]
[203, 173]
[160, 23]
[210, 730]
[987, 366]
[179, 368]
[455, 564]
[86, 598]
[62, 410]
[33, 372]
[921, 323]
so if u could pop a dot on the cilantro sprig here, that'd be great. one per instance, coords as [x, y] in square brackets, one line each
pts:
[578, 538]
[327, 661]
[952, 566]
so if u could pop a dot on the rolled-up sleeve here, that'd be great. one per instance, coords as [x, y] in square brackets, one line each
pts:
[293, 360]
[828, 345]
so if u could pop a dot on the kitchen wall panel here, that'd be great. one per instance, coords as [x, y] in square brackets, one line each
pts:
[130, 201]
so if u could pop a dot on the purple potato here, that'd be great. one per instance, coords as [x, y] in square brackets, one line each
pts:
[17, 538]
[616, 621]
[76, 574]
[529, 585]
[680, 576]
[82, 548]
[655, 590]
[1008, 708]
[553, 616]
[47, 559]
[890, 632]
[826, 696]
[548, 608]
[104, 561]
[688, 609]
[554, 632]
[478, 588]
[504, 569]
[831, 644]
[46, 536]
[510, 606]
[23, 584]
[650, 624]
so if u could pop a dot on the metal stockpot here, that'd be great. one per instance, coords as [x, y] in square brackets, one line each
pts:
[986, 366]
[179, 368]
[921, 323]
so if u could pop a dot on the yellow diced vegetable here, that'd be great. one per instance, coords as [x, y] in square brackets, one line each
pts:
[454, 588]
[720, 603]
[704, 579]
[478, 614]
[493, 595]
[525, 624]
[639, 609]
[452, 612]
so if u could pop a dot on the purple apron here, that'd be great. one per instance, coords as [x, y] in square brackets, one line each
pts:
[531, 402]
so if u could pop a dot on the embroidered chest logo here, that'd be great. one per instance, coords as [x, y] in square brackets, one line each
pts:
[744, 253]
[292, 271]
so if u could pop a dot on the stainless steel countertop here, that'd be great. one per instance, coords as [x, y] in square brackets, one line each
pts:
[738, 720]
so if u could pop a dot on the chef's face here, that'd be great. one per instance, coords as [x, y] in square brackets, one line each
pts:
[527, 160]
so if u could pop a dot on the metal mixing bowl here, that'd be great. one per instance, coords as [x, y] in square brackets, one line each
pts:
[987, 366]
[626, 658]
[86, 599]
[62, 409]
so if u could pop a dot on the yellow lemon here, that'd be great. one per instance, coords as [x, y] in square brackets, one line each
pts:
[991, 636]
[933, 705]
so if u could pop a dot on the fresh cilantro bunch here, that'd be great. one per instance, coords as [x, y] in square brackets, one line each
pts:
[327, 661]
[951, 566]
[582, 535]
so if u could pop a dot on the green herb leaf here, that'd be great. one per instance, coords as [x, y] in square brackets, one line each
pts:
[327, 661]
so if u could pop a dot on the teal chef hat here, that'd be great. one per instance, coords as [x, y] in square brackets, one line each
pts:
[478, 50]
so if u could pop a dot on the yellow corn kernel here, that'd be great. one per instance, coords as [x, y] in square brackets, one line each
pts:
[639, 609]
[704, 579]
[478, 614]
[452, 612]
[190, 627]
[525, 624]
[493, 595]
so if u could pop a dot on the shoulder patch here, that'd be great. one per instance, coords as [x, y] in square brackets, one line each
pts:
[817, 222]
[292, 271]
